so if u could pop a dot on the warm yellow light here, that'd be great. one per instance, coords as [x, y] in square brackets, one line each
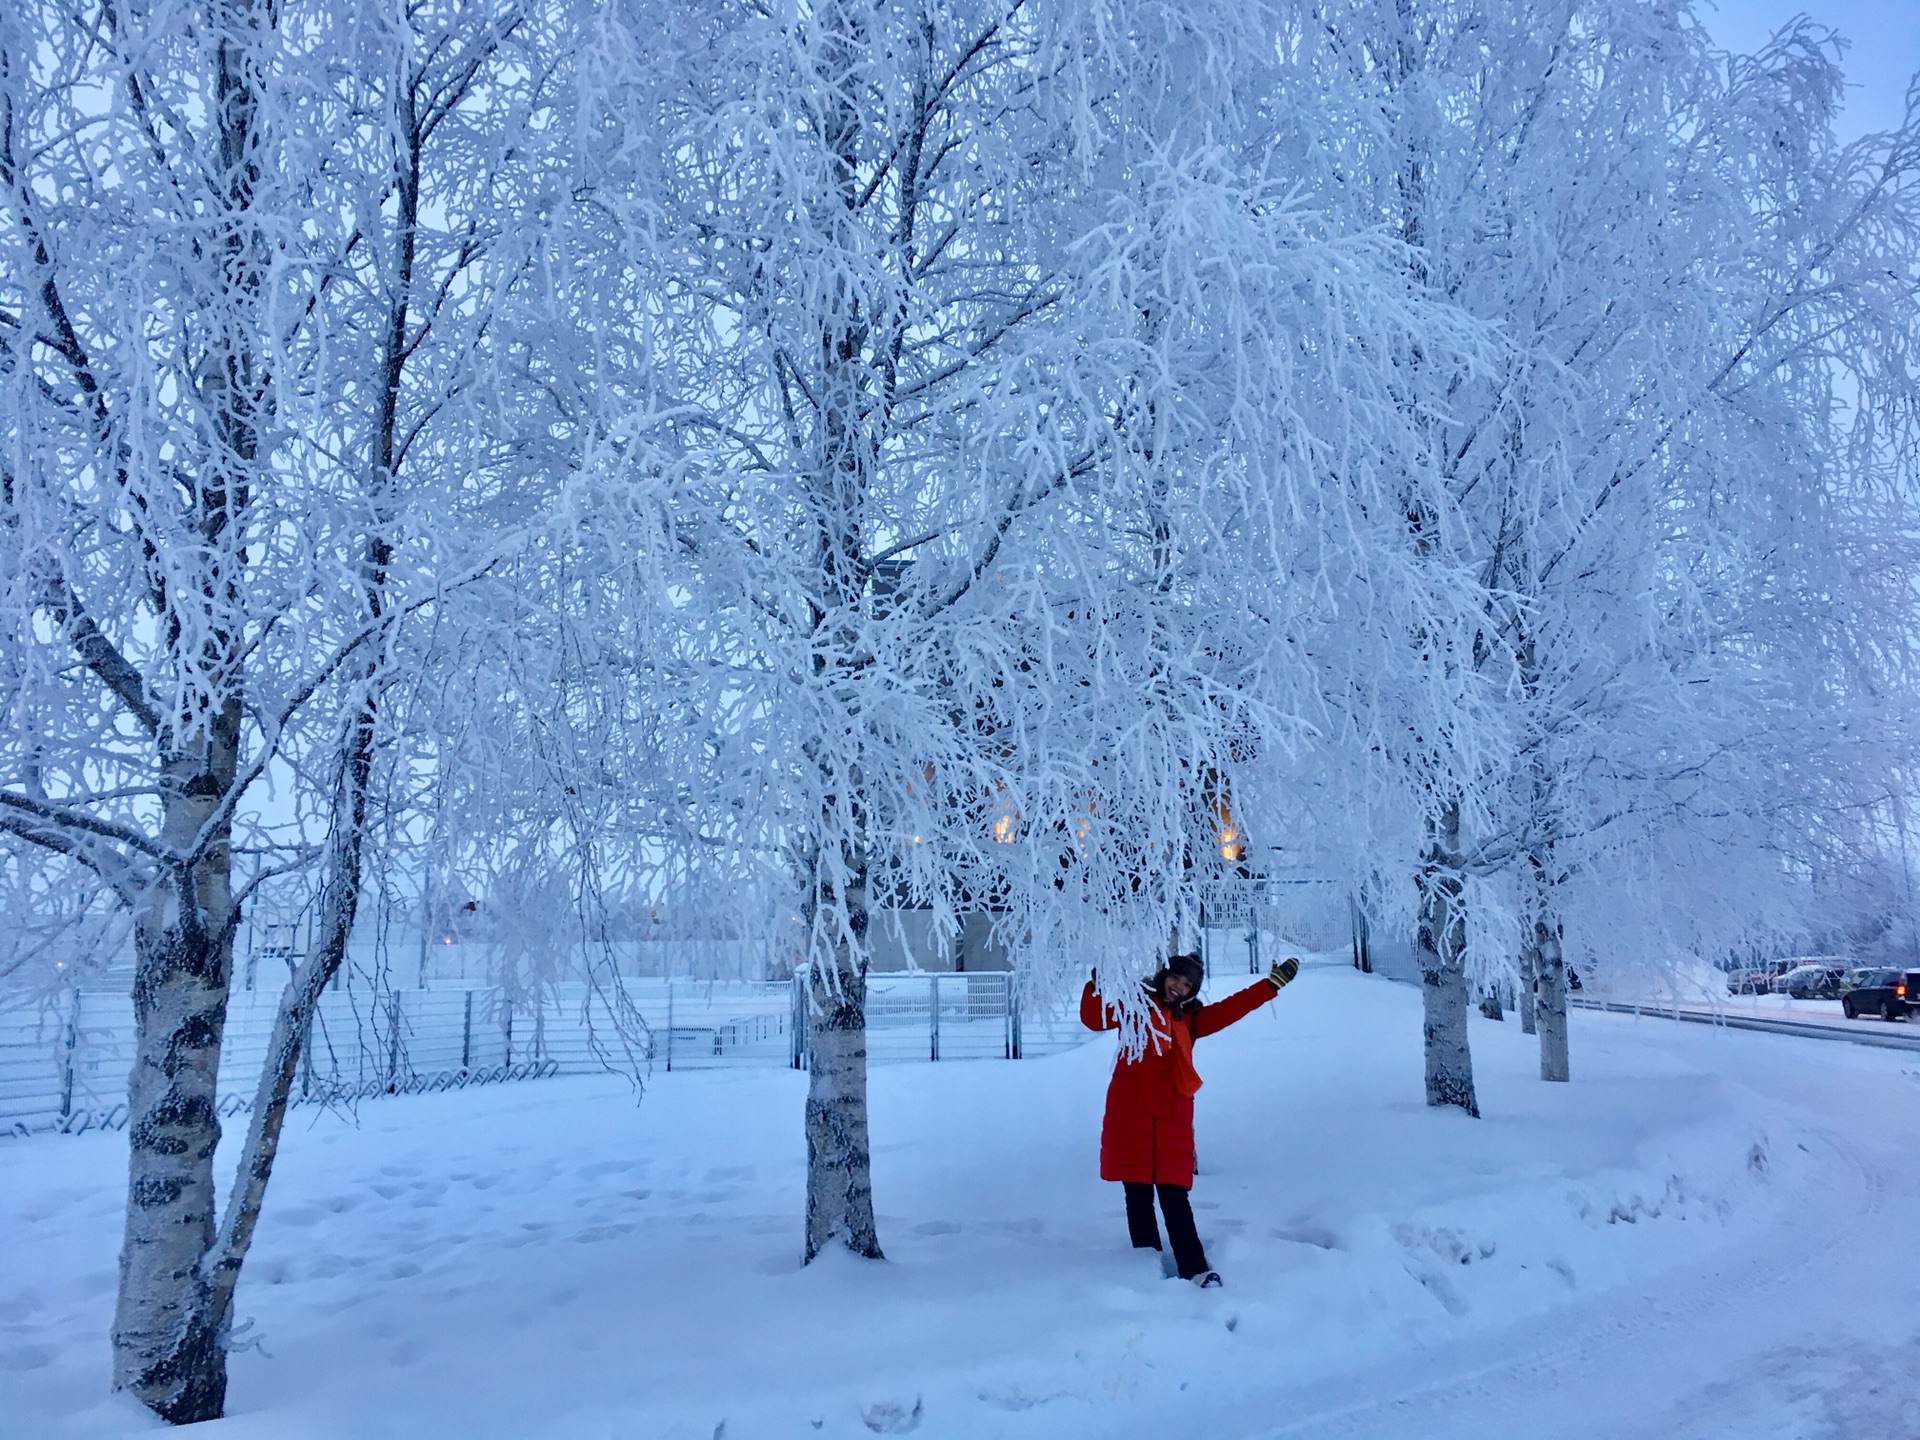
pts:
[1007, 823]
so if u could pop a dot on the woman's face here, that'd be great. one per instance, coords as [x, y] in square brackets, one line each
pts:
[1178, 987]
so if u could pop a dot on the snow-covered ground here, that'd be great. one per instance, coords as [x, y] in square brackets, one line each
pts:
[1707, 1234]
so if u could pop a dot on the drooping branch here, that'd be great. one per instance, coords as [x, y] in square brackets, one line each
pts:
[99, 654]
[111, 866]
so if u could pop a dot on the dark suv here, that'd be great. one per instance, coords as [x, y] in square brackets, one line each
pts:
[1890, 994]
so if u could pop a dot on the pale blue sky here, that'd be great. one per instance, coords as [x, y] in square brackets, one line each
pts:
[1883, 58]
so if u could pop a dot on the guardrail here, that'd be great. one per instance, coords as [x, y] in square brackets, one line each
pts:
[1858, 1032]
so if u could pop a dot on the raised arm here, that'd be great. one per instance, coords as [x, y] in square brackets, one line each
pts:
[1237, 1006]
[1242, 1003]
[1093, 1011]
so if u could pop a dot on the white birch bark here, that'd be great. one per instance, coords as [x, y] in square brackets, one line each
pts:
[839, 1207]
[1529, 968]
[1554, 1064]
[1441, 952]
[169, 1349]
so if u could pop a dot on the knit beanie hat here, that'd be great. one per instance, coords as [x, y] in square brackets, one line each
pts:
[1188, 965]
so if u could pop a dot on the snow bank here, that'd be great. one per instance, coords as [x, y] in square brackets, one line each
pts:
[551, 1259]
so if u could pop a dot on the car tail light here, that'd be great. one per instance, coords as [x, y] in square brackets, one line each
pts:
[1900, 990]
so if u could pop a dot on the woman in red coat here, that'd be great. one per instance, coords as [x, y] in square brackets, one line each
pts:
[1146, 1139]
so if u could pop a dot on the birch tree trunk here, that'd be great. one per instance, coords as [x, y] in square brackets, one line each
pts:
[1529, 978]
[292, 1026]
[167, 1349]
[839, 1153]
[839, 1156]
[839, 1150]
[169, 1352]
[1440, 948]
[1440, 940]
[1553, 998]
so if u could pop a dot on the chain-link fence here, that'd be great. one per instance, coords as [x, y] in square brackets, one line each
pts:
[919, 1015]
[64, 1066]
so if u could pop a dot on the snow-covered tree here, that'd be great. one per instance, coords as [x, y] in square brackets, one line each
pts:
[1664, 249]
[987, 385]
[242, 305]
[1677, 509]
[1715, 676]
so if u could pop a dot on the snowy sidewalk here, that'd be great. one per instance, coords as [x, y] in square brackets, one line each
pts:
[551, 1260]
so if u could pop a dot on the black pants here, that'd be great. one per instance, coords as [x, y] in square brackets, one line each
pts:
[1187, 1254]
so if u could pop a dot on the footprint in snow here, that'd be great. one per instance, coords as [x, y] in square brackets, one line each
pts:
[892, 1417]
[1013, 1397]
[328, 1266]
[593, 1234]
[1317, 1236]
[59, 1203]
[34, 1357]
[605, 1167]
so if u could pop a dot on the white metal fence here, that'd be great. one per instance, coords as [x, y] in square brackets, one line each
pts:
[64, 1067]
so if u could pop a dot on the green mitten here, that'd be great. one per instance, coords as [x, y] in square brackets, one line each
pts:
[1281, 973]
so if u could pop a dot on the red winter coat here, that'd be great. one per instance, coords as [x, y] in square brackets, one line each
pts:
[1147, 1134]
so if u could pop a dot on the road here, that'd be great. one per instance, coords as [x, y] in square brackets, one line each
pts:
[1900, 1035]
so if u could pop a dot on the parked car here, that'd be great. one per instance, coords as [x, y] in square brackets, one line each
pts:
[1758, 979]
[1890, 994]
[1814, 980]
